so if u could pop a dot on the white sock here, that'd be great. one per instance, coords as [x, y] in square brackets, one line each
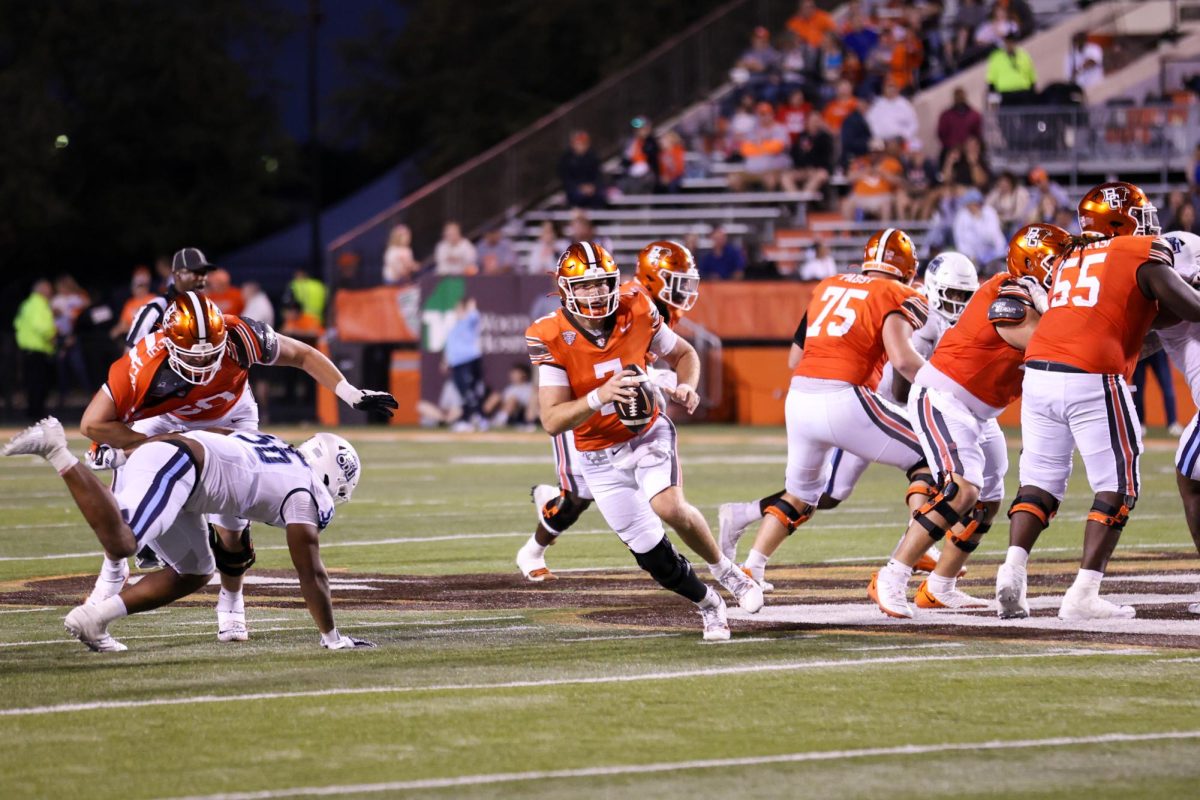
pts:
[534, 549]
[1017, 557]
[940, 585]
[113, 570]
[756, 562]
[230, 602]
[1088, 580]
[62, 460]
[721, 567]
[711, 599]
[898, 569]
[112, 608]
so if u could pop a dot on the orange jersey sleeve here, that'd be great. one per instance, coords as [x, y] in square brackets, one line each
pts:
[844, 337]
[1098, 316]
[587, 361]
[972, 353]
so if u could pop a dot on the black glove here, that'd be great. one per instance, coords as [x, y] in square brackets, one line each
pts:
[377, 402]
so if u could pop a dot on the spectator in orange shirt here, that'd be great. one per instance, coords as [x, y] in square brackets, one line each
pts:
[672, 161]
[764, 151]
[811, 23]
[300, 325]
[837, 109]
[224, 294]
[874, 179]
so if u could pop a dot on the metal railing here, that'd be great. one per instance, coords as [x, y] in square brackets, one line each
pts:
[523, 168]
[1103, 139]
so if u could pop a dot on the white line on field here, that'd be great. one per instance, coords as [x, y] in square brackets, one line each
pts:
[1190, 660]
[711, 763]
[26, 610]
[626, 636]
[700, 672]
[902, 647]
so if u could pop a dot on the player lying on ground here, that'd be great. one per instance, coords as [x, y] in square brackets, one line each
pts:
[1106, 294]
[950, 281]
[667, 272]
[972, 376]
[591, 357]
[172, 483]
[192, 374]
[856, 323]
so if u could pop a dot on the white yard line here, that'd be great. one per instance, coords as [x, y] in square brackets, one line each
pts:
[702, 672]
[712, 763]
[902, 647]
[627, 636]
[26, 610]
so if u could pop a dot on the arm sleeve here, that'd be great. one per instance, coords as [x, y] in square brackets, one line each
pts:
[552, 375]
[664, 340]
[148, 319]
[801, 331]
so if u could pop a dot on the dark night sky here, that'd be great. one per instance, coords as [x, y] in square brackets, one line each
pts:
[341, 19]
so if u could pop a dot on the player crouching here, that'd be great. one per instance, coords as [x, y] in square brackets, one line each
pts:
[172, 483]
[973, 374]
[591, 357]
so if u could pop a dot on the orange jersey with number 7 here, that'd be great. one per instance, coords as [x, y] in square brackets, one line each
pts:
[844, 337]
[1098, 316]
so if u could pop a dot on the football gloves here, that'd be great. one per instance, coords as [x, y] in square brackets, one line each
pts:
[1036, 291]
[102, 456]
[339, 641]
[365, 399]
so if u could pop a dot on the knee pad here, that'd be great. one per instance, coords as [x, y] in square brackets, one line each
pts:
[788, 514]
[766, 502]
[920, 482]
[1110, 517]
[671, 570]
[1032, 504]
[232, 564]
[563, 511]
[974, 525]
[940, 503]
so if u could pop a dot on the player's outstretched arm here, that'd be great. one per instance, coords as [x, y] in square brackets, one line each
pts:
[561, 411]
[686, 363]
[294, 353]
[102, 424]
[305, 549]
[1161, 282]
[897, 342]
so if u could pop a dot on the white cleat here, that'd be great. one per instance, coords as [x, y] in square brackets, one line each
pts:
[534, 567]
[745, 590]
[105, 589]
[85, 624]
[716, 626]
[1194, 608]
[1011, 588]
[231, 627]
[1080, 606]
[764, 584]
[890, 595]
[39, 439]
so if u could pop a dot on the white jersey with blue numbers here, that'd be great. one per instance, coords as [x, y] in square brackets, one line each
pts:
[258, 477]
[924, 340]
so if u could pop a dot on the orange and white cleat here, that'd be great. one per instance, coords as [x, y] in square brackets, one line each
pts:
[954, 599]
[533, 567]
[889, 594]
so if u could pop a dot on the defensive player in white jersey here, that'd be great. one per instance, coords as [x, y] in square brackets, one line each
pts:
[1182, 343]
[172, 482]
[950, 281]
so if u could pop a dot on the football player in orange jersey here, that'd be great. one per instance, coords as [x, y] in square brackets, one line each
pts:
[972, 376]
[856, 323]
[582, 353]
[667, 272]
[191, 375]
[1105, 295]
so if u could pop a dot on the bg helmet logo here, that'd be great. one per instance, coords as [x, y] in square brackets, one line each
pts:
[1114, 196]
[1033, 237]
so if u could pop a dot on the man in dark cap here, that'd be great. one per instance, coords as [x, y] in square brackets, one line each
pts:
[189, 273]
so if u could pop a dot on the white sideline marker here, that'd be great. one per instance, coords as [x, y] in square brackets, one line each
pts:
[712, 763]
[703, 672]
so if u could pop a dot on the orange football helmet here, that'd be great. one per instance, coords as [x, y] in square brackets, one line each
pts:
[667, 271]
[1034, 249]
[892, 252]
[194, 332]
[1118, 209]
[588, 280]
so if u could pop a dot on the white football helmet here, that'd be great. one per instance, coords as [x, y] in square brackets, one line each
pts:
[950, 281]
[335, 462]
[1187, 253]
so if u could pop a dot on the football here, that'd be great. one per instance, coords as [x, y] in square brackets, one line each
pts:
[637, 411]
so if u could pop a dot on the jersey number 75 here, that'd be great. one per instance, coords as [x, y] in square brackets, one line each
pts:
[839, 304]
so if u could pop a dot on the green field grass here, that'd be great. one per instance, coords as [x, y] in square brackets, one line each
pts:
[550, 701]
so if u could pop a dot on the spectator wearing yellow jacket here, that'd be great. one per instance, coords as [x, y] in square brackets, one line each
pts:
[34, 325]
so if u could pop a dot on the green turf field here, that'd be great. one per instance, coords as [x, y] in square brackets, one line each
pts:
[498, 688]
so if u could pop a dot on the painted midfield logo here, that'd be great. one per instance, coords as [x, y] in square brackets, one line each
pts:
[569, 337]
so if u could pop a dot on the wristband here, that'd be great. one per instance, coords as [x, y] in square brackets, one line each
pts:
[347, 393]
[593, 400]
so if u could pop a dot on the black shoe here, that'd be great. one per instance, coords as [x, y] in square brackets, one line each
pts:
[146, 558]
